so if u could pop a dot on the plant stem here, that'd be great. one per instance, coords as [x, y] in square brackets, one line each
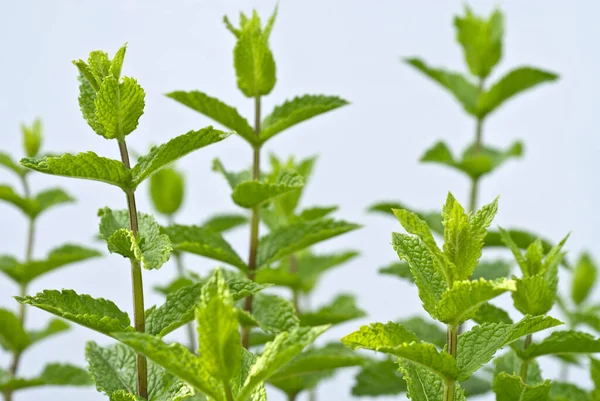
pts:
[136, 281]
[292, 396]
[525, 364]
[228, 392]
[294, 271]
[452, 342]
[254, 221]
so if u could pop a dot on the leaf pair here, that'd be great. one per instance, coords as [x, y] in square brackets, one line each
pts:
[34, 206]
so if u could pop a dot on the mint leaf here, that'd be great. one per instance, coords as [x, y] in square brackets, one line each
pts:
[316, 212]
[252, 193]
[224, 222]
[113, 368]
[32, 137]
[12, 334]
[515, 82]
[296, 236]
[429, 280]
[94, 313]
[167, 188]
[510, 387]
[478, 345]
[397, 269]
[248, 360]
[218, 331]
[53, 327]
[425, 330]
[179, 306]
[162, 155]
[9, 195]
[11, 267]
[119, 105]
[220, 112]
[233, 178]
[7, 161]
[563, 342]
[584, 278]
[173, 285]
[492, 270]
[511, 363]
[561, 391]
[87, 166]
[533, 296]
[204, 242]
[277, 354]
[462, 300]
[424, 385]
[379, 378]
[342, 309]
[481, 40]
[150, 246]
[50, 198]
[433, 219]
[458, 85]
[488, 313]
[274, 314]
[175, 359]
[297, 110]
[54, 374]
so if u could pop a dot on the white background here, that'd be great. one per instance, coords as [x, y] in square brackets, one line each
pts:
[368, 151]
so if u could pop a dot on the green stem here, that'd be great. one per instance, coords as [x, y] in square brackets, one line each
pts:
[292, 396]
[295, 294]
[452, 345]
[254, 221]
[228, 392]
[136, 282]
[525, 364]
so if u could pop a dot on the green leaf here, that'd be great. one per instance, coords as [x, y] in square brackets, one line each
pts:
[563, 342]
[149, 246]
[252, 193]
[119, 105]
[284, 206]
[224, 222]
[476, 385]
[9, 195]
[94, 313]
[33, 207]
[429, 280]
[511, 387]
[50, 198]
[511, 364]
[479, 344]
[316, 212]
[204, 242]
[461, 302]
[481, 40]
[560, 391]
[220, 112]
[342, 309]
[584, 278]
[174, 285]
[112, 368]
[488, 313]
[253, 60]
[179, 306]
[425, 330]
[433, 219]
[53, 327]
[394, 339]
[521, 238]
[175, 359]
[515, 82]
[297, 110]
[32, 137]
[491, 270]
[292, 238]
[87, 166]
[458, 85]
[218, 331]
[11, 267]
[277, 354]
[424, 385]
[397, 269]
[533, 296]
[7, 161]
[167, 188]
[464, 234]
[274, 314]
[378, 378]
[233, 179]
[54, 374]
[12, 334]
[176, 148]
[248, 360]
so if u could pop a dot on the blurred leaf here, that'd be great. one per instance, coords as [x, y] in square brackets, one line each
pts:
[224, 222]
[342, 309]
[167, 189]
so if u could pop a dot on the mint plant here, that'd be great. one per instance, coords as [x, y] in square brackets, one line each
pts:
[14, 335]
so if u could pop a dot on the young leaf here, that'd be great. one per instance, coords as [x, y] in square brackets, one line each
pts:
[175, 359]
[167, 189]
[429, 280]
[252, 193]
[297, 236]
[87, 166]
[510, 387]
[32, 137]
[12, 334]
[224, 222]
[297, 110]
[9, 195]
[7, 161]
[119, 105]
[204, 242]
[492, 270]
[584, 278]
[218, 111]
[533, 296]
[179, 306]
[424, 385]
[277, 354]
[274, 314]
[397, 269]
[174, 285]
[54, 374]
[511, 364]
[218, 331]
[515, 82]
[433, 219]
[458, 85]
[176, 148]
[478, 345]
[342, 309]
[94, 313]
[378, 378]
[481, 40]
[53, 327]
[563, 342]
[150, 246]
[461, 302]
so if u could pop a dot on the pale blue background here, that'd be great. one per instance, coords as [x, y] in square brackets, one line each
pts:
[369, 150]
